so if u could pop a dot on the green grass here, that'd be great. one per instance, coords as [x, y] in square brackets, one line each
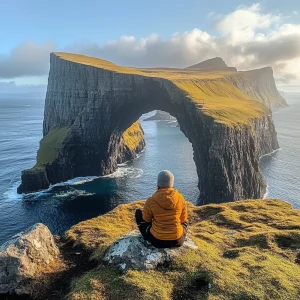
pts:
[247, 250]
[215, 93]
[50, 146]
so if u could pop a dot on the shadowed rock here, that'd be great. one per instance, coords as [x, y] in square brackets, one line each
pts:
[23, 256]
[133, 252]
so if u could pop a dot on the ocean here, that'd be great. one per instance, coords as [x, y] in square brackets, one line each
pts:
[66, 204]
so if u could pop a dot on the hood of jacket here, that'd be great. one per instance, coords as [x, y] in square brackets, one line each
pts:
[166, 198]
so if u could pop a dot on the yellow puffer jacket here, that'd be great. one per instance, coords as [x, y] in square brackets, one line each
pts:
[167, 210]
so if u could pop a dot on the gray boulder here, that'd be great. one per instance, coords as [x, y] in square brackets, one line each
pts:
[23, 256]
[133, 252]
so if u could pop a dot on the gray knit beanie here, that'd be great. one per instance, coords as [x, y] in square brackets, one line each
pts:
[165, 179]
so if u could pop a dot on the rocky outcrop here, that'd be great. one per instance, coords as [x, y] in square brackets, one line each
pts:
[160, 116]
[90, 103]
[216, 63]
[23, 257]
[41, 175]
[133, 252]
[132, 143]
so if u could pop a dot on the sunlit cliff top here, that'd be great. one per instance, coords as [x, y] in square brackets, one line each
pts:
[215, 92]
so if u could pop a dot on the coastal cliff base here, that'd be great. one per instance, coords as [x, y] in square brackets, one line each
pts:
[45, 173]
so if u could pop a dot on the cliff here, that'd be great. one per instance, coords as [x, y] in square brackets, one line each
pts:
[260, 85]
[160, 116]
[39, 177]
[91, 102]
[247, 250]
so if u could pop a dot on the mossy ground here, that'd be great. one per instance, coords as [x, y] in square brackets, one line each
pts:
[247, 250]
[50, 145]
[214, 91]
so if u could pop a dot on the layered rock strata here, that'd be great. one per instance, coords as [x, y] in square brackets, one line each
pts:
[91, 102]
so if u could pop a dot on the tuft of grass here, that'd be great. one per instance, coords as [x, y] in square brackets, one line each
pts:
[243, 254]
[133, 136]
[214, 92]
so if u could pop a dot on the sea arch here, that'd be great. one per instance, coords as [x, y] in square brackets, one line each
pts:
[91, 102]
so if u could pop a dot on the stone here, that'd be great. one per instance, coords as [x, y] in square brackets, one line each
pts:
[133, 252]
[23, 256]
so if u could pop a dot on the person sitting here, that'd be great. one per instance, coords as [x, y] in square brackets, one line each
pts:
[163, 220]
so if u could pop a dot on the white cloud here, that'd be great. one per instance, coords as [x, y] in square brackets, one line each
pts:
[27, 59]
[246, 18]
[248, 38]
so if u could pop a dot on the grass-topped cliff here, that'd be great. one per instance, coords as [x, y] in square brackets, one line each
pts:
[247, 250]
[215, 91]
[90, 102]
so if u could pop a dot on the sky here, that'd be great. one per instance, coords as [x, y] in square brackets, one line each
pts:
[164, 33]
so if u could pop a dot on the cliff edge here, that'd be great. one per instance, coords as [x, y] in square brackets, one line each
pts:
[90, 103]
[246, 250]
[239, 250]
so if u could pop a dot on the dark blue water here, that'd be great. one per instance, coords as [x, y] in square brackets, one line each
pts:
[167, 148]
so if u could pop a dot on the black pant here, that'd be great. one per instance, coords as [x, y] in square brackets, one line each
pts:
[144, 228]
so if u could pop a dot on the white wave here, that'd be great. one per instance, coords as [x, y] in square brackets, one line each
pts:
[80, 180]
[130, 172]
[274, 151]
[266, 193]
[123, 164]
[73, 192]
[122, 171]
[12, 192]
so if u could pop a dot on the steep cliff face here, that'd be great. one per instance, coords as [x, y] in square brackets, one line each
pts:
[260, 86]
[48, 157]
[90, 103]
